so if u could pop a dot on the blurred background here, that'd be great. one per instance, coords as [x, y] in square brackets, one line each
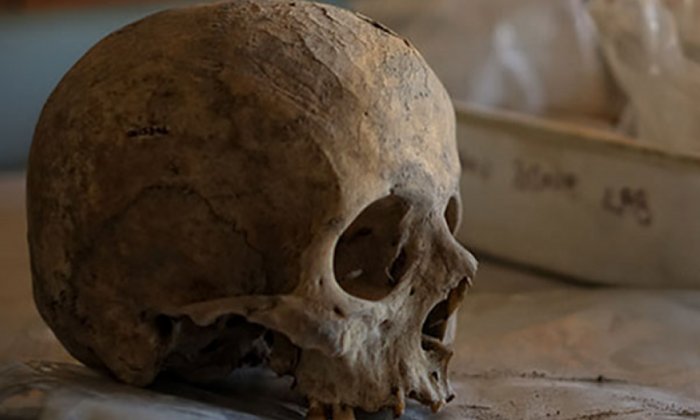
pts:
[39, 41]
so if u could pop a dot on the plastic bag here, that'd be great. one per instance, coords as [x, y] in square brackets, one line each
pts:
[687, 16]
[649, 45]
[534, 56]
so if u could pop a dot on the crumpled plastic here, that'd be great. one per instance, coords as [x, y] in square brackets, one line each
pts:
[539, 57]
[653, 47]
[687, 16]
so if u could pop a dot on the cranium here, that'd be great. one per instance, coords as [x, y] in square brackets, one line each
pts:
[253, 181]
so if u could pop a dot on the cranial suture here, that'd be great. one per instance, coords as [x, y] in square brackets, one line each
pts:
[253, 182]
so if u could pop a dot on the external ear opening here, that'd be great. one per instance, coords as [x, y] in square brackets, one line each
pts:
[369, 259]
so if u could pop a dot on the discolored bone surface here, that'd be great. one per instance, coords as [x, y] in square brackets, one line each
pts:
[253, 182]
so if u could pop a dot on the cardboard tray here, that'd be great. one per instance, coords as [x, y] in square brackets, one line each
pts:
[576, 201]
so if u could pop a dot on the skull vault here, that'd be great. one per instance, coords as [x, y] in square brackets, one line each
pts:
[247, 182]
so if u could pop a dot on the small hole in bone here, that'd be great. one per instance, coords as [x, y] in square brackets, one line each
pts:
[385, 325]
[435, 324]
[368, 261]
[453, 213]
[398, 267]
[338, 312]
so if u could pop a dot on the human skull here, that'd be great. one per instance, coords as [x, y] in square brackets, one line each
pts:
[253, 181]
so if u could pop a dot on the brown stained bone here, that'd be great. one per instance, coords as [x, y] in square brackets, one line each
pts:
[200, 177]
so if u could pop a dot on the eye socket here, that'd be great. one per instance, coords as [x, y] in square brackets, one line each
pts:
[369, 261]
[453, 213]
